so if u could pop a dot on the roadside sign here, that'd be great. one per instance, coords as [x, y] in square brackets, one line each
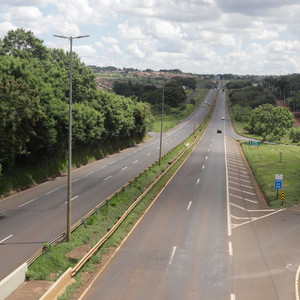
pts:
[278, 181]
[253, 143]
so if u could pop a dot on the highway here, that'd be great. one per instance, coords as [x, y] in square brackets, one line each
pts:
[37, 215]
[207, 236]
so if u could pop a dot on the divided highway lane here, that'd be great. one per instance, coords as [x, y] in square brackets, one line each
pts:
[32, 217]
[180, 249]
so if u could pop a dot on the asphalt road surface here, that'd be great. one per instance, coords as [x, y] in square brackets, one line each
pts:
[35, 216]
[207, 236]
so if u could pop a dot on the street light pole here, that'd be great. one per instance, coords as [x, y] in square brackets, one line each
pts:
[161, 126]
[69, 196]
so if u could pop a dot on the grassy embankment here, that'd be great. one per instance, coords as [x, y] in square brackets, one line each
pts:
[265, 163]
[56, 260]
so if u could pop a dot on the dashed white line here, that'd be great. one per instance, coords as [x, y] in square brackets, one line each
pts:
[107, 177]
[206, 157]
[6, 238]
[230, 249]
[135, 161]
[198, 180]
[189, 206]
[27, 202]
[232, 296]
[90, 173]
[203, 167]
[124, 168]
[75, 197]
[172, 255]
[148, 153]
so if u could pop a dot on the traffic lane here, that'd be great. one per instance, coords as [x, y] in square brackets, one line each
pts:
[180, 248]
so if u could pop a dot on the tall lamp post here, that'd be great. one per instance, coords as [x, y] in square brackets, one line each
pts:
[70, 38]
[161, 126]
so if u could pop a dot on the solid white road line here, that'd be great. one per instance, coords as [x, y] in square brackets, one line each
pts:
[297, 283]
[189, 206]
[6, 238]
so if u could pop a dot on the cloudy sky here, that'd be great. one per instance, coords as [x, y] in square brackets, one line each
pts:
[198, 36]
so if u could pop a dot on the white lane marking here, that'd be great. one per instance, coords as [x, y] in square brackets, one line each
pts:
[172, 255]
[208, 150]
[229, 231]
[203, 167]
[124, 168]
[112, 162]
[232, 188]
[255, 219]
[135, 161]
[297, 283]
[27, 202]
[198, 180]
[123, 157]
[90, 173]
[189, 206]
[72, 199]
[248, 200]
[6, 238]
[107, 177]
[232, 296]
[230, 249]
[253, 210]
[102, 167]
[54, 190]
[148, 153]
[75, 180]
[206, 157]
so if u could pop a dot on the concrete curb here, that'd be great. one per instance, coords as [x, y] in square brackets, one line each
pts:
[59, 286]
[12, 281]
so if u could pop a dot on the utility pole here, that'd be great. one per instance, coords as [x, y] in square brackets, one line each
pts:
[161, 126]
[69, 196]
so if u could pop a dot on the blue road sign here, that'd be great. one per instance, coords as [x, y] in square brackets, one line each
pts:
[278, 181]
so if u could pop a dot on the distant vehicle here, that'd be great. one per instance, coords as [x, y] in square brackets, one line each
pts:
[205, 102]
[223, 118]
[219, 131]
[208, 104]
[202, 105]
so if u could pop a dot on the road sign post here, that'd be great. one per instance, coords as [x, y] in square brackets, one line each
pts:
[278, 182]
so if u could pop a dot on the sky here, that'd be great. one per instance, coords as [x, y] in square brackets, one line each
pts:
[256, 37]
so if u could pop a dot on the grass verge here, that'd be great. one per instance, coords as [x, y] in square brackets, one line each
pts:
[265, 163]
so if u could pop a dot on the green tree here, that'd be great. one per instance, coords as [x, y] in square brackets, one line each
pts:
[269, 120]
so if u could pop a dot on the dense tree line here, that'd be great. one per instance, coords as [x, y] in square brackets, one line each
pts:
[286, 88]
[174, 93]
[34, 95]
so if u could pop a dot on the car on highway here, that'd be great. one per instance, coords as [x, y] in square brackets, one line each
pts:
[219, 131]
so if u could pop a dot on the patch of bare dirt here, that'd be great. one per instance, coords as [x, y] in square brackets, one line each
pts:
[33, 290]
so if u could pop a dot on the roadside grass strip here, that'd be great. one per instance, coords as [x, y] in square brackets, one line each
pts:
[268, 160]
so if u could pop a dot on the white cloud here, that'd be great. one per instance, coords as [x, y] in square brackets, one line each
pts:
[109, 40]
[211, 36]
